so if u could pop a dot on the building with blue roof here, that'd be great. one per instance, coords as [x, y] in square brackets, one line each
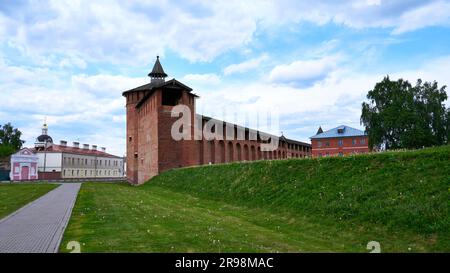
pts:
[339, 141]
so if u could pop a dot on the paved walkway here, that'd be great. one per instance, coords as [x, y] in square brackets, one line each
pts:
[39, 226]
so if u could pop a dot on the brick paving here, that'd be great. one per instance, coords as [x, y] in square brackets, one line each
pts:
[38, 227]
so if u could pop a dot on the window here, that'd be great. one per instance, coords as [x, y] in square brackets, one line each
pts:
[341, 154]
[328, 154]
[353, 142]
[320, 154]
[319, 143]
[327, 143]
[340, 142]
[362, 141]
[171, 97]
[130, 139]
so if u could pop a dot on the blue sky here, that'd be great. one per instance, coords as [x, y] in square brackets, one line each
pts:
[313, 61]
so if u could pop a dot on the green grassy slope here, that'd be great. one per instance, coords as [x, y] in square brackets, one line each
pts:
[329, 205]
[116, 217]
[399, 190]
[15, 196]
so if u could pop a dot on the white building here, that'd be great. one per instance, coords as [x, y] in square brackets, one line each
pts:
[74, 162]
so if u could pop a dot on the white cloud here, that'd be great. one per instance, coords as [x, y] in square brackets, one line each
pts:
[70, 35]
[373, 2]
[80, 108]
[395, 14]
[123, 32]
[245, 66]
[330, 102]
[134, 32]
[204, 79]
[89, 108]
[106, 85]
[73, 61]
[433, 14]
[303, 72]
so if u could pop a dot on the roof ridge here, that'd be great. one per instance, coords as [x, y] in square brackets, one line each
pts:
[79, 151]
[351, 131]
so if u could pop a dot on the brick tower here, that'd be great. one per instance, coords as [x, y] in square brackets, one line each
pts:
[150, 146]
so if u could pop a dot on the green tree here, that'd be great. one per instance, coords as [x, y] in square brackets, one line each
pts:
[448, 125]
[9, 139]
[399, 115]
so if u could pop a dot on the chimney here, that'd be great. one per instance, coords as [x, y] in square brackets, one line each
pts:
[63, 143]
[76, 144]
[86, 146]
[103, 149]
[94, 147]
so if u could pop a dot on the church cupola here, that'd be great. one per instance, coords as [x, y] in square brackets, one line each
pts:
[44, 140]
[157, 75]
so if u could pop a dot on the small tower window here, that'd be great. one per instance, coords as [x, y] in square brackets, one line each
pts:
[171, 97]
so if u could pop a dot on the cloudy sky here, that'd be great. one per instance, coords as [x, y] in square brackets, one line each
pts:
[313, 61]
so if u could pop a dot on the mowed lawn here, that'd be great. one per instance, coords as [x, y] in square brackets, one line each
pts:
[123, 218]
[15, 196]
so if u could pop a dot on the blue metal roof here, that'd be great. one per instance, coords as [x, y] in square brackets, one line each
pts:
[340, 131]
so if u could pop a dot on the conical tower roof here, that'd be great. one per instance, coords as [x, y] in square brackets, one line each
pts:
[157, 71]
[320, 130]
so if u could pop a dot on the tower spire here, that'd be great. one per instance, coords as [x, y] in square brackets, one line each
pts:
[157, 74]
[45, 127]
[320, 130]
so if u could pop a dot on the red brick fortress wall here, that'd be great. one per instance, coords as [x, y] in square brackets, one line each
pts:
[151, 148]
[132, 125]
